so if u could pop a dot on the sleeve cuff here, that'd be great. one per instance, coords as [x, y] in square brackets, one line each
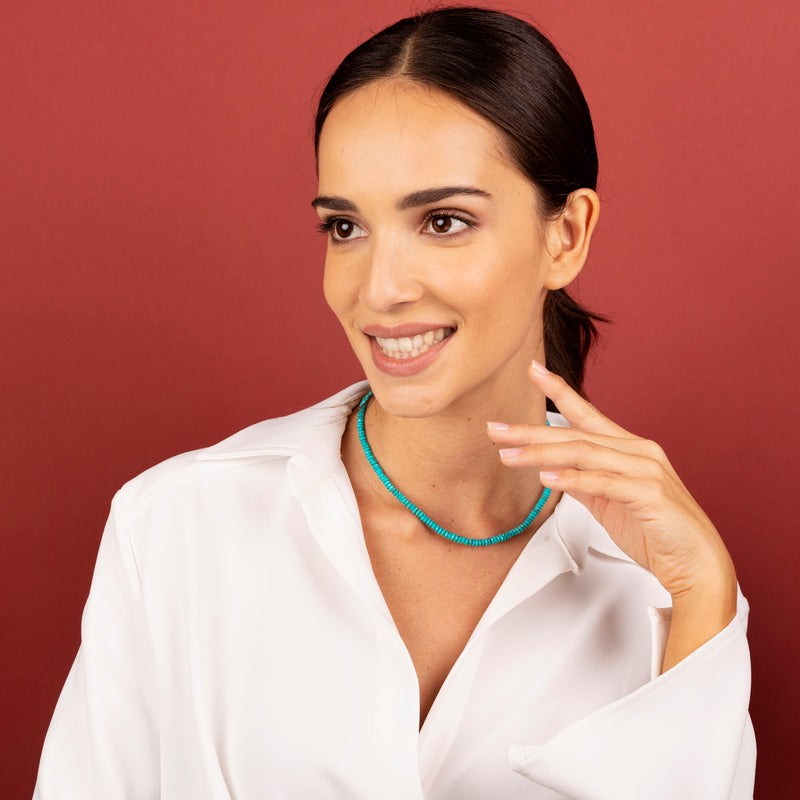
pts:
[686, 733]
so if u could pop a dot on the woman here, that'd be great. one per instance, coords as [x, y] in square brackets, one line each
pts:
[427, 585]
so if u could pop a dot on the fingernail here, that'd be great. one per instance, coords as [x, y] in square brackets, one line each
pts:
[540, 368]
[497, 426]
[549, 477]
[509, 452]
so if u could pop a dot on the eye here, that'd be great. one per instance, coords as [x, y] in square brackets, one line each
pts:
[445, 224]
[341, 229]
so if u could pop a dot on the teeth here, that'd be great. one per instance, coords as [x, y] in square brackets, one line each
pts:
[411, 347]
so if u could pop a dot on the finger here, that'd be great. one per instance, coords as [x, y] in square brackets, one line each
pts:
[620, 488]
[578, 411]
[523, 433]
[581, 455]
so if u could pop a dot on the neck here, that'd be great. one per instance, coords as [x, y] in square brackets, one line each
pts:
[447, 465]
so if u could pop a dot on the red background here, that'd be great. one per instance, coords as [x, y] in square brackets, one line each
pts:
[160, 278]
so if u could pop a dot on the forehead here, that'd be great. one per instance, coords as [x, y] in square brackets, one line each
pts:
[396, 135]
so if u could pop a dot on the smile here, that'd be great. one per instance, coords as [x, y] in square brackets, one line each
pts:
[412, 346]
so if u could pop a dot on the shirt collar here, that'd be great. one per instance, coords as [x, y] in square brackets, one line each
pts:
[316, 433]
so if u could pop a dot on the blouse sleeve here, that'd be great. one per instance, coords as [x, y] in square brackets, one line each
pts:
[103, 740]
[686, 733]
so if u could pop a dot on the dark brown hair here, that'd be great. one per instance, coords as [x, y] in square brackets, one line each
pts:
[508, 72]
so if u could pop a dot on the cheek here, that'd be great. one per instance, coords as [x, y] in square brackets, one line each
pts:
[524, 271]
[511, 295]
[340, 289]
[506, 278]
[327, 287]
[333, 288]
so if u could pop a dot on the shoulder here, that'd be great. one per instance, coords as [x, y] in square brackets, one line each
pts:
[313, 432]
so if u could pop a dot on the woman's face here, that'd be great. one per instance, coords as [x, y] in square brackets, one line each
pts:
[436, 260]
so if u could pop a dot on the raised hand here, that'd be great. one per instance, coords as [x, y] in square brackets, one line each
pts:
[631, 489]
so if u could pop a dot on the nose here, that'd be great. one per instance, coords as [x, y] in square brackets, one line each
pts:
[389, 278]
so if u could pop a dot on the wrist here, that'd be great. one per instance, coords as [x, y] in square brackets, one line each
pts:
[712, 593]
[699, 614]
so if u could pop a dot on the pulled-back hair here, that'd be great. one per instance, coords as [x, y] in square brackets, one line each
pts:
[508, 72]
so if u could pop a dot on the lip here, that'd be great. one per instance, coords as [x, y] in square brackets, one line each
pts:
[404, 367]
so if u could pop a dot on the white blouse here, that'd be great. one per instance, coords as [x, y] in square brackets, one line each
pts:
[235, 645]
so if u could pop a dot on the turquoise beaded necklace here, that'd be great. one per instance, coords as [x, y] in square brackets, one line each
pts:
[421, 515]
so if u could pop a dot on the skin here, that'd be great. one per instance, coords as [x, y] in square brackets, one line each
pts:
[465, 436]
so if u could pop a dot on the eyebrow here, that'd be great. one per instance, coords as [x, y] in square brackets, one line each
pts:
[414, 200]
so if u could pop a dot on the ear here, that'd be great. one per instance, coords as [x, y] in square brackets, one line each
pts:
[568, 237]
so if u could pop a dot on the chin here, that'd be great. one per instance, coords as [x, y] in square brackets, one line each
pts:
[423, 399]
[405, 398]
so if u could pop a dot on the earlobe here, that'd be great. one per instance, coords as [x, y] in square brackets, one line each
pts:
[569, 236]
